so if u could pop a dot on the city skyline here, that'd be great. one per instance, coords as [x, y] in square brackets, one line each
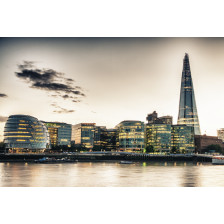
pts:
[108, 80]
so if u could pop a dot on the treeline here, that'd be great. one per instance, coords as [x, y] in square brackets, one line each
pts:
[2, 147]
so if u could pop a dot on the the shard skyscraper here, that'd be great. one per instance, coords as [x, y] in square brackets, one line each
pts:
[187, 108]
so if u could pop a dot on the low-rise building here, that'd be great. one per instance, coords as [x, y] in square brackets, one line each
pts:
[203, 141]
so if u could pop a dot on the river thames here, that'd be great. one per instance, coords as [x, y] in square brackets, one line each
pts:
[112, 174]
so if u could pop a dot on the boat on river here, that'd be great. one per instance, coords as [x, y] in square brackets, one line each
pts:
[54, 160]
[218, 160]
[126, 162]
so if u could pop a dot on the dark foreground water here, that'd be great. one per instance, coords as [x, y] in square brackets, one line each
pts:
[112, 174]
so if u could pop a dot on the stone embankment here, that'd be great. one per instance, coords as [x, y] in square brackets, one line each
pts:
[106, 156]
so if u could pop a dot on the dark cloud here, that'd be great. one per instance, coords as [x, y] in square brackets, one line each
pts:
[49, 80]
[3, 119]
[3, 95]
[26, 65]
[65, 96]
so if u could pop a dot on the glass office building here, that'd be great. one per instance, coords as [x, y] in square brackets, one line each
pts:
[60, 133]
[158, 136]
[130, 136]
[83, 134]
[99, 135]
[182, 138]
[109, 139]
[187, 107]
[23, 133]
[105, 138]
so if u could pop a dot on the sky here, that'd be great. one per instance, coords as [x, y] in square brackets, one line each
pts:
[108, 80]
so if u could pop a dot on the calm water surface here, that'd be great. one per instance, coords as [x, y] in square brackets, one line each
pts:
[112, 174]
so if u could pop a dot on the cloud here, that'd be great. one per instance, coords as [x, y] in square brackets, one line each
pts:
[49, 80]
[76, 101]
[61, 110]
[3, 119]
[3, 95]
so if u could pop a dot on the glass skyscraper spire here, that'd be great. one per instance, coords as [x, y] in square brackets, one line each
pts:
[187, 108]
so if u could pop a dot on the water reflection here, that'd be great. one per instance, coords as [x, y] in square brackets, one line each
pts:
[111, 174]
[190, 177]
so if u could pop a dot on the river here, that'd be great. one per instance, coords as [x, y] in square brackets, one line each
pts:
[112, 174]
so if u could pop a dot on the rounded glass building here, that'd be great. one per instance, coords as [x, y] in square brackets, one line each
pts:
[24, 133]
[130, 135]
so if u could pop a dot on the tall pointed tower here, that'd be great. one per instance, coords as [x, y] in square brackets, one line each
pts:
[187, 108]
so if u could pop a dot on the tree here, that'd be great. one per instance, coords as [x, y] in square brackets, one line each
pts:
[214, 148]
[96, 148]
[174, 150]
[2, 147]
[149, 149]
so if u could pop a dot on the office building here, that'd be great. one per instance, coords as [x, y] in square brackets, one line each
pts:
[130, 136]
[182, 138]
[105, 139]
[109, 139]
[158, 136]
[158, 132]
[60, 133]
[99, 135]
[83, 134]
[187, 106]
[25, 134]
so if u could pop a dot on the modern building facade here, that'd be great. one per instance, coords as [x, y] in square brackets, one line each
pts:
[60, 133]
[99, 135]
[220, 134]
[158, 136]
[158, 132]
[130, 136]
[182, 138]
[83, 134]
[187, 106]
[109, 139]
[203, 141]
[25, 134]
[105, 139]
